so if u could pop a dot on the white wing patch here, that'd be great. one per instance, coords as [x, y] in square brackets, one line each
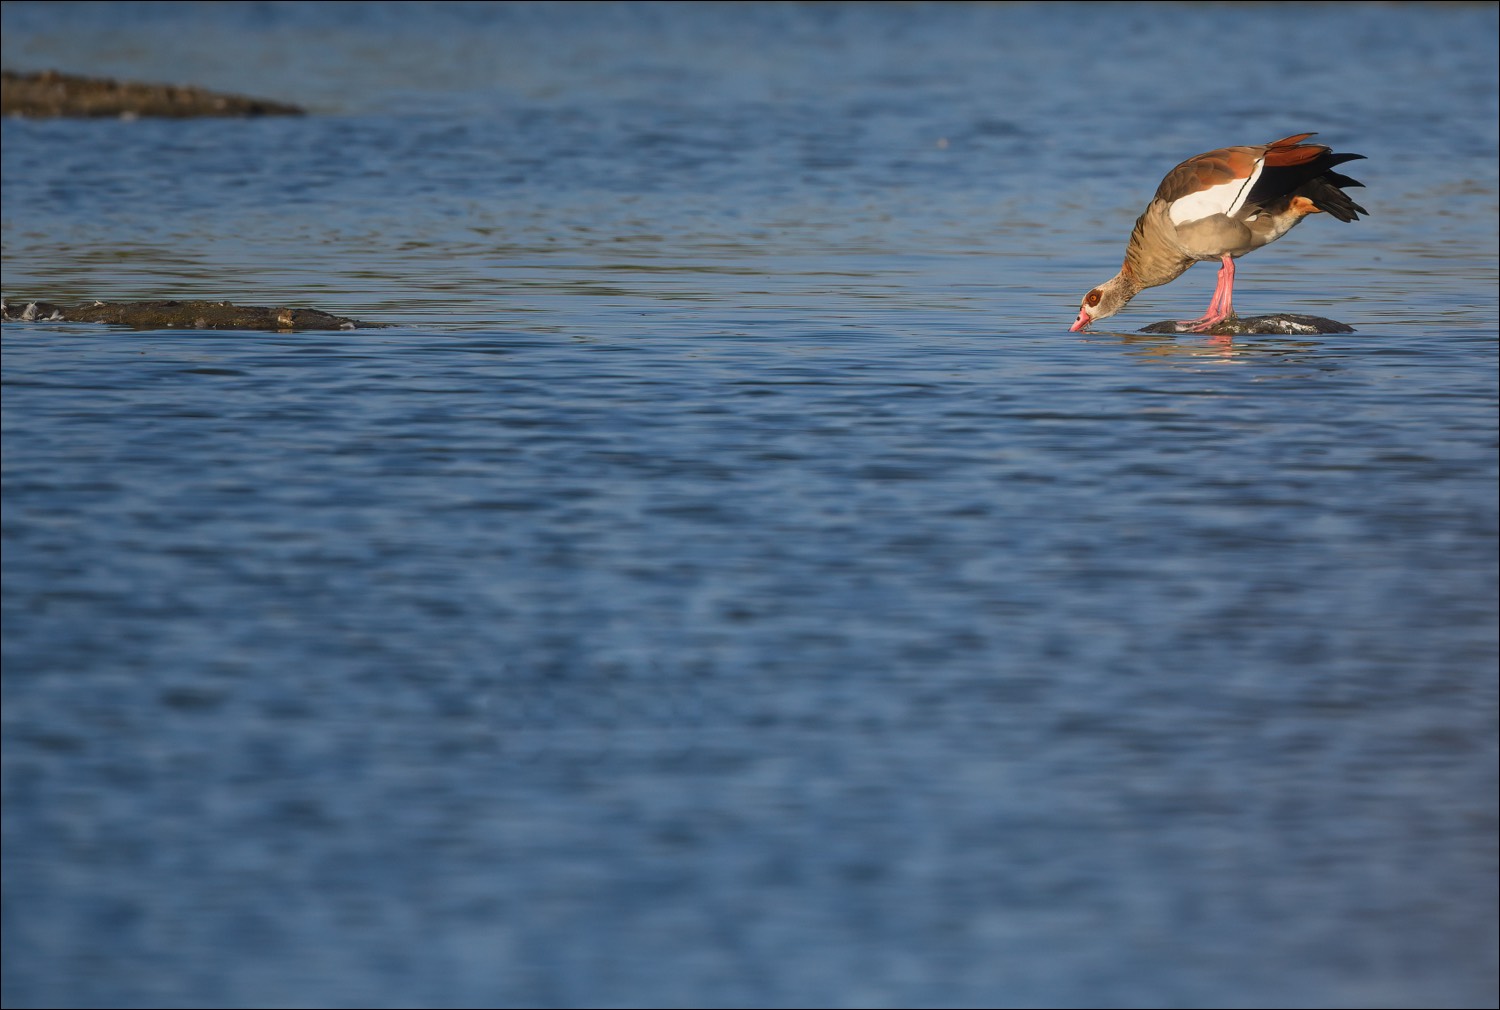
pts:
[1226, 198]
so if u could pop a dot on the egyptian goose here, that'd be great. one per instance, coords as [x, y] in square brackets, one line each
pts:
[1218, 206]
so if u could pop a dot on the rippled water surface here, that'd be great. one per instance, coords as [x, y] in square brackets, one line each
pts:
[728, 583]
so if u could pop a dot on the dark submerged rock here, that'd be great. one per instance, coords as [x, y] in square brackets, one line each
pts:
[1287, 324]
[172, 315]
[50, 94]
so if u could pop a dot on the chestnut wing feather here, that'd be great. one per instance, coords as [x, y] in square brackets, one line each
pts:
[1205, 171]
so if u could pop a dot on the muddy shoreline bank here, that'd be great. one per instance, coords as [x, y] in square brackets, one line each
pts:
[51, 94]
[183, 315]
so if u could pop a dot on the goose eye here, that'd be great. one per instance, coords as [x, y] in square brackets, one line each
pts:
[1092, 298]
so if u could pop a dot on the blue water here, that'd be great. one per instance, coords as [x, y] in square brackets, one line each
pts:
[729, 583]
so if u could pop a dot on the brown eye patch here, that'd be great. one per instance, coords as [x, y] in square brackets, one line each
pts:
[1092, 298]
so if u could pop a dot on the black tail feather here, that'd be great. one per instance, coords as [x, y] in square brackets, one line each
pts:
[1325, 194]
[1314, 180]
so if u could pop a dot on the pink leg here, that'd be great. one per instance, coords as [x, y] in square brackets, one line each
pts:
[1221, 306]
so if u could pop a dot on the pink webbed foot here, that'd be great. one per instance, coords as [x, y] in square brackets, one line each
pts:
[1204, 325]
[1220, 307]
